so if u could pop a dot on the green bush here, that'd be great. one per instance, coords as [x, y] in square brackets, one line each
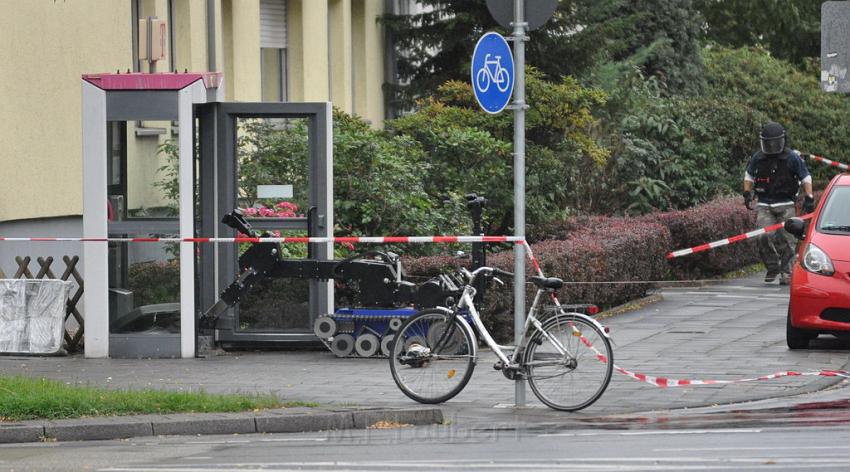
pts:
[773, 89]
[378, 178]
[468, 150]
[154, 282]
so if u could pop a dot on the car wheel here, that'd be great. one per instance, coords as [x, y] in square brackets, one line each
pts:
[795, 337]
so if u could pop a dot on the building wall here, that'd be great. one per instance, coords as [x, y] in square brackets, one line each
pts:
[335, 52]
[368, 60]
[46, 47]
[242, 57]
[60, 227]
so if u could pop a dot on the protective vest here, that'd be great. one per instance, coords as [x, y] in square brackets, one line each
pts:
[774, 178]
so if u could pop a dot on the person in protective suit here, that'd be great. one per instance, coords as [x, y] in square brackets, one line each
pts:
[773, 178]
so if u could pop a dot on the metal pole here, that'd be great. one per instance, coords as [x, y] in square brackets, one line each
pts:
[519, 182]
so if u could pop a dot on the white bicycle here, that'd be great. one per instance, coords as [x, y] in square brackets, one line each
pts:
[492, 72]
[565, 356]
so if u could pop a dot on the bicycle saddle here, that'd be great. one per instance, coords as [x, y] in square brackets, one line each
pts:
[553, 283]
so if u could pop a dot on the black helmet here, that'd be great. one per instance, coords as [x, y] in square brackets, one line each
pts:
[772, 138]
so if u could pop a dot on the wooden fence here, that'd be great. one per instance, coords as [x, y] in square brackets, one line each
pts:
[73, 340]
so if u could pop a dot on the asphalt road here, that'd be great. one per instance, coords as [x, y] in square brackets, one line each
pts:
[446, 448]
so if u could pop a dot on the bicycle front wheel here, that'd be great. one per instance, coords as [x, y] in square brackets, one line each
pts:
[432, 356]
[568, 362]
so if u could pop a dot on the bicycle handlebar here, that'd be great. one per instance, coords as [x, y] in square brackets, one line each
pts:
[486, 271]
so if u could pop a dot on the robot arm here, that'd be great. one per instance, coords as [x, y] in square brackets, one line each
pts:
[255, 264]
[376, 277]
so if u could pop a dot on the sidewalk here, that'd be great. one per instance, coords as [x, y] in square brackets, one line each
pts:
[732, 330]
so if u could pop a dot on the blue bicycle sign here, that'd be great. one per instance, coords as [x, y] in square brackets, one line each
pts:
[492, 72]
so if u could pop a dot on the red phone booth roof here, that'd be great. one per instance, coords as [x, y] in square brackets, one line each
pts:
[158, 81]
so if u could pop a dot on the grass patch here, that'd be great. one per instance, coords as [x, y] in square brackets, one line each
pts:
[24, 398]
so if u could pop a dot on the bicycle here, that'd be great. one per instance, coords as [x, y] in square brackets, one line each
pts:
[492, 72]
[565, 356]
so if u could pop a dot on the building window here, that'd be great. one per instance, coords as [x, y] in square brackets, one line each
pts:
[273, 50]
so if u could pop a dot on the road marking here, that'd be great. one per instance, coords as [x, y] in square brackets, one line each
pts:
[227, 441]
[650, 433]
[571, 463]
[746, 287]
[708, 449]
[294, 439]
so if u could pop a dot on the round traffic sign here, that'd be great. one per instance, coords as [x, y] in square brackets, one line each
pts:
[492, 72]
[537, 12]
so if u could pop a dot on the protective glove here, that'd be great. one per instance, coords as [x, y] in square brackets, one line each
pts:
[748, 199]
[808, 204]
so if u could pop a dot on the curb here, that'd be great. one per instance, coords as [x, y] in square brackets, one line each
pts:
[628, 307]
[291, 420]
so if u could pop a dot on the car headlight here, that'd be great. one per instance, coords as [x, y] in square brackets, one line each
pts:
[815, 260]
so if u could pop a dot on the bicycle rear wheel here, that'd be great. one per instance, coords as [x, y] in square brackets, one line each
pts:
[432, 356]
[575, 379]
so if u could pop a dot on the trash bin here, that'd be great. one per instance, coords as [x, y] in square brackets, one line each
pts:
[32, 315]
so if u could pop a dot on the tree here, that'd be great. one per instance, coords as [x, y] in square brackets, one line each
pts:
[436, 46]
[789, 29]
[661, 37]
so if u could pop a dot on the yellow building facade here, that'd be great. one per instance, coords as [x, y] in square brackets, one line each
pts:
[268, 50]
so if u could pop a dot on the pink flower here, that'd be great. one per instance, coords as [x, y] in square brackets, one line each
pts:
[266, 212]
[250, 211]
[287, 206]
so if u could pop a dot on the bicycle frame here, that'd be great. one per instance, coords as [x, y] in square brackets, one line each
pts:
[467, 302]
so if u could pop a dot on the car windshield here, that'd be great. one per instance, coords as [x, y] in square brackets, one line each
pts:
[836, 214]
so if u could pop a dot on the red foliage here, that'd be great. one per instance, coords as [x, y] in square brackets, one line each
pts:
[604, 249]
[706, 223]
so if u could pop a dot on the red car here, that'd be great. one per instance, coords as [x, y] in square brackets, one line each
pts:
[820, 279]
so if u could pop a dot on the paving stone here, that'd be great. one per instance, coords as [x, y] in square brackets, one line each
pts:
[21, 433]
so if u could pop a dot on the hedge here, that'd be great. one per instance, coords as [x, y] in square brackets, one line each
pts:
[604, 249]
[705, 223]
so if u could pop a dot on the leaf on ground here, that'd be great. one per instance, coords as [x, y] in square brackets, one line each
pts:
[389, 425]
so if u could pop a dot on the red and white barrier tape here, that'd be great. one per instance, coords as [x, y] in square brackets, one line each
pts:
[288, 240]
[663, 382]
[828, 162]
[728, 241]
